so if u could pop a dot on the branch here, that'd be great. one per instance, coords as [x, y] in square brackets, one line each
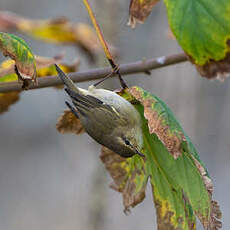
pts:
[144, 66]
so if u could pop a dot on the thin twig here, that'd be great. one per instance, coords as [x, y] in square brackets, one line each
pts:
[109, 56]
[143, 66]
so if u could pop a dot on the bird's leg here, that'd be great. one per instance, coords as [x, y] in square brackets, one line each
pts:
[104, 78]
[116, 70]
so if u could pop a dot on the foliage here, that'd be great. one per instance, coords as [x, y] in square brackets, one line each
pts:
[201, 27]
[17, 49]
[45, 67]
[181, 185]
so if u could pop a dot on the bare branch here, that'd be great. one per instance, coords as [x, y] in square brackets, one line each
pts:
[143, 66]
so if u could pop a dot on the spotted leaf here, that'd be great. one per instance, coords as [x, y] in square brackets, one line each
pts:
[139, 10]
[17, 49]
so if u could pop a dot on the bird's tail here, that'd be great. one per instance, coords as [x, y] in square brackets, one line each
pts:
[66, 80]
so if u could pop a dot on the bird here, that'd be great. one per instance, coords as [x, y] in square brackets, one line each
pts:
[107, 117]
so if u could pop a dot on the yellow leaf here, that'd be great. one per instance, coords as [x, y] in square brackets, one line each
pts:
[7, 99]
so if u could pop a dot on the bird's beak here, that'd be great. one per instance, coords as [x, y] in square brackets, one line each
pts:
[139, 153]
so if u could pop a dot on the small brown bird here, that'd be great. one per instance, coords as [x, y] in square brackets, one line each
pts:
[107, 117]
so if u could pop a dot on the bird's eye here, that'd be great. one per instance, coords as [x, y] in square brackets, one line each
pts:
[127, 142]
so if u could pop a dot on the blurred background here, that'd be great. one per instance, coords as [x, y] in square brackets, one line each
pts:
[54, 181]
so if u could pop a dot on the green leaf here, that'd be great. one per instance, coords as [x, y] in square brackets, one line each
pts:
[69, 123]
[202, 28]
[19, 51]
[181, 186]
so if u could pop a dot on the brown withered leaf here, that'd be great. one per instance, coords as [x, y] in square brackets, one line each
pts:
[125, 177]
[8, 21]
[219, 70]
[7, 99]
[58, 30]
[42, 62]
[139, 10]
[69, 123]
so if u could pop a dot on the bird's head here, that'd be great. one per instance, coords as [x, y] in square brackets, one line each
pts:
[128, 141]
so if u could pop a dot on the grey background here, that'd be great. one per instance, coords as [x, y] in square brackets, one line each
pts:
[54, 181]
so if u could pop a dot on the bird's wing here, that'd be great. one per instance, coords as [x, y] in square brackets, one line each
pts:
[90, 104]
